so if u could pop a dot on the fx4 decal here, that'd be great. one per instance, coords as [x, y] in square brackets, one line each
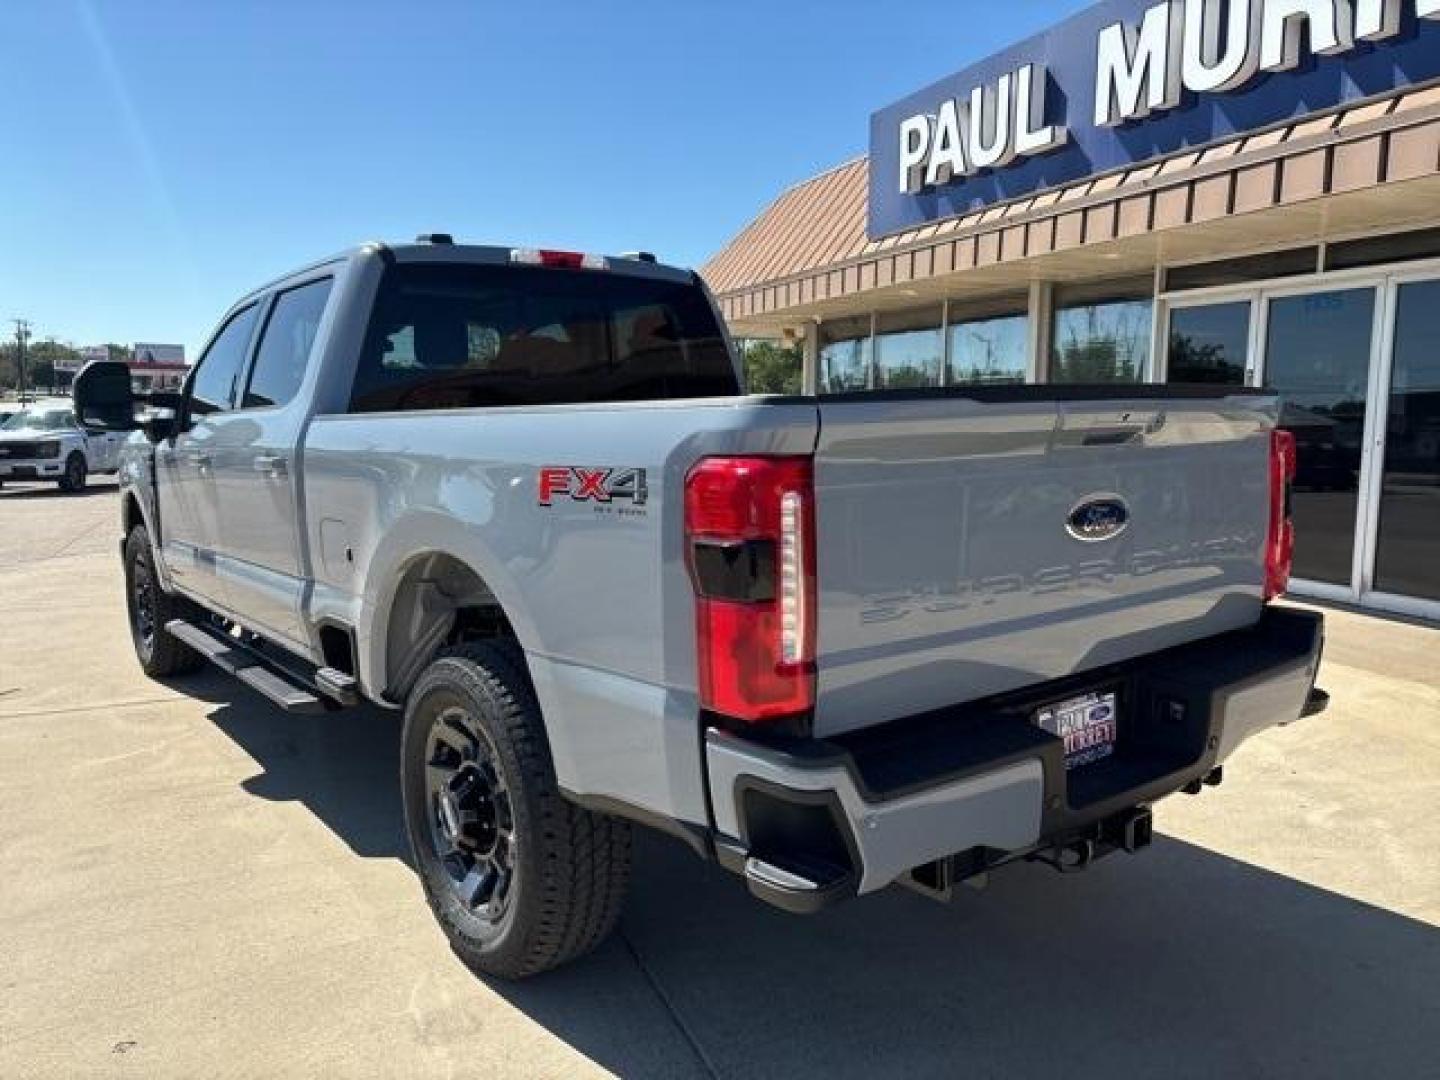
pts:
[578, 483]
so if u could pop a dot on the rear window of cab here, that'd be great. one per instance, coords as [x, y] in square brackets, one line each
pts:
[446, 336]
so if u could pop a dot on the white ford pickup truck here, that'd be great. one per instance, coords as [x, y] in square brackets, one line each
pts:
[832, 644]
[43, 442]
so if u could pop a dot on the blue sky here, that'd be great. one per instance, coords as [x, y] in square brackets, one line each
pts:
[164, 156]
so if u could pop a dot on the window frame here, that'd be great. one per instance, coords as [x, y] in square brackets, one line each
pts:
[269, 303]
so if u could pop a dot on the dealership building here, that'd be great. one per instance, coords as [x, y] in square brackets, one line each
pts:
[1242, 193]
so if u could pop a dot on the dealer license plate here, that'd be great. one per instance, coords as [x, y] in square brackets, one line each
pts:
[1087, 724]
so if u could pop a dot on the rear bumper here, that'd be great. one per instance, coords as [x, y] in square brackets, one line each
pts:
[862, 810]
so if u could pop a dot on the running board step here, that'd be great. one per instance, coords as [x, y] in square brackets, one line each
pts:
[231, 658]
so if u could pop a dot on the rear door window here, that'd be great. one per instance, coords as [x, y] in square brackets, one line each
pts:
[213, 387]
[285, 346]
[446, 336]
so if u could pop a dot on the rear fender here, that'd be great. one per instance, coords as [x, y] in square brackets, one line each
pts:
[410, 539]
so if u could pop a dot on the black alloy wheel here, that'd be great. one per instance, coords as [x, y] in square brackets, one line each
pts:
[142, 607]
[472, 823]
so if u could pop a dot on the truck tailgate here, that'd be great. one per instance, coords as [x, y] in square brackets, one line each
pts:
[971, 546]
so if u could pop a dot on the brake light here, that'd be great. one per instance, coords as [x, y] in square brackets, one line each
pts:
[565, 260]
[1280, 544]
[750, 542]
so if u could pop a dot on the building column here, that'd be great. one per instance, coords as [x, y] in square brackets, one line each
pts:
[810, 370]
[1042, 327]
[1156, 371]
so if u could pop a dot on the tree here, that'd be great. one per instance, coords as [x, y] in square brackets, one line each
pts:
[1207, 363]
[42, 359]
[772, 368]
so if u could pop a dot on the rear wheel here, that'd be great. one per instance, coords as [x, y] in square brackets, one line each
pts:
[150, 608]
[76, 472]
[520, 879]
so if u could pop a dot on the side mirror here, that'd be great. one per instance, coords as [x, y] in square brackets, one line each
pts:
[103, 398]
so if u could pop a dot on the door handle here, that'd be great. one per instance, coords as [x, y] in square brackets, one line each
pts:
[271, 465]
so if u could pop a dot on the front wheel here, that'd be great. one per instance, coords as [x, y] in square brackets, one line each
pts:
[520, 879]
[76, 473]
[150, 608]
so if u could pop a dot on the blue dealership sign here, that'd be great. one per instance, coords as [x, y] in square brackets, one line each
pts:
[1130, 80]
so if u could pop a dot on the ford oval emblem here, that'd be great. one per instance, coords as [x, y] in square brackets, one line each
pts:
[1100, 517]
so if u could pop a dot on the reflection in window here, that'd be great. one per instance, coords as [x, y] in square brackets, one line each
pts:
[909, 349]
[845, 352]
[1105, 340]
[771, 367]
[1209, 344]
[989, 350]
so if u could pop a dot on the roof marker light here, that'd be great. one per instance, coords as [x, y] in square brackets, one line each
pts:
[565, 260]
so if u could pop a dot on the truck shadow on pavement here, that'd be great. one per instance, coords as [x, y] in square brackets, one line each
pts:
[1178, 962]
[342, 766]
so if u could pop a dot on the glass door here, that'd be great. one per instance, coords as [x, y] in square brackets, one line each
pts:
[1318, 349]
[1407, 518]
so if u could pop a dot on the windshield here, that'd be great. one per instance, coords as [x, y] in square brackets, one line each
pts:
[40, 420]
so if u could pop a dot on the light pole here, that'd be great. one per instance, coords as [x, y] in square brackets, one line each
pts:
[22, 336]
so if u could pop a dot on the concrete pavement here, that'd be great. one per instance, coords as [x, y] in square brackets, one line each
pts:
[192, 883]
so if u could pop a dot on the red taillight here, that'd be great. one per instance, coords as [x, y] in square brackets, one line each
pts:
[1280, 544]
[750, 540]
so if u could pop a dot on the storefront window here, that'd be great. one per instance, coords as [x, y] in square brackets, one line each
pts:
[1209, 343]
[991, 350]
[1102, 340]
[909, 349]
[845, 352]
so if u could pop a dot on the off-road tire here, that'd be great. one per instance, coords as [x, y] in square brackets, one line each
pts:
[162, 654]
[571, 866]
[76, 473]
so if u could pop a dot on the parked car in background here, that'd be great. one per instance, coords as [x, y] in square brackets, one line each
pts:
[44, 442]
